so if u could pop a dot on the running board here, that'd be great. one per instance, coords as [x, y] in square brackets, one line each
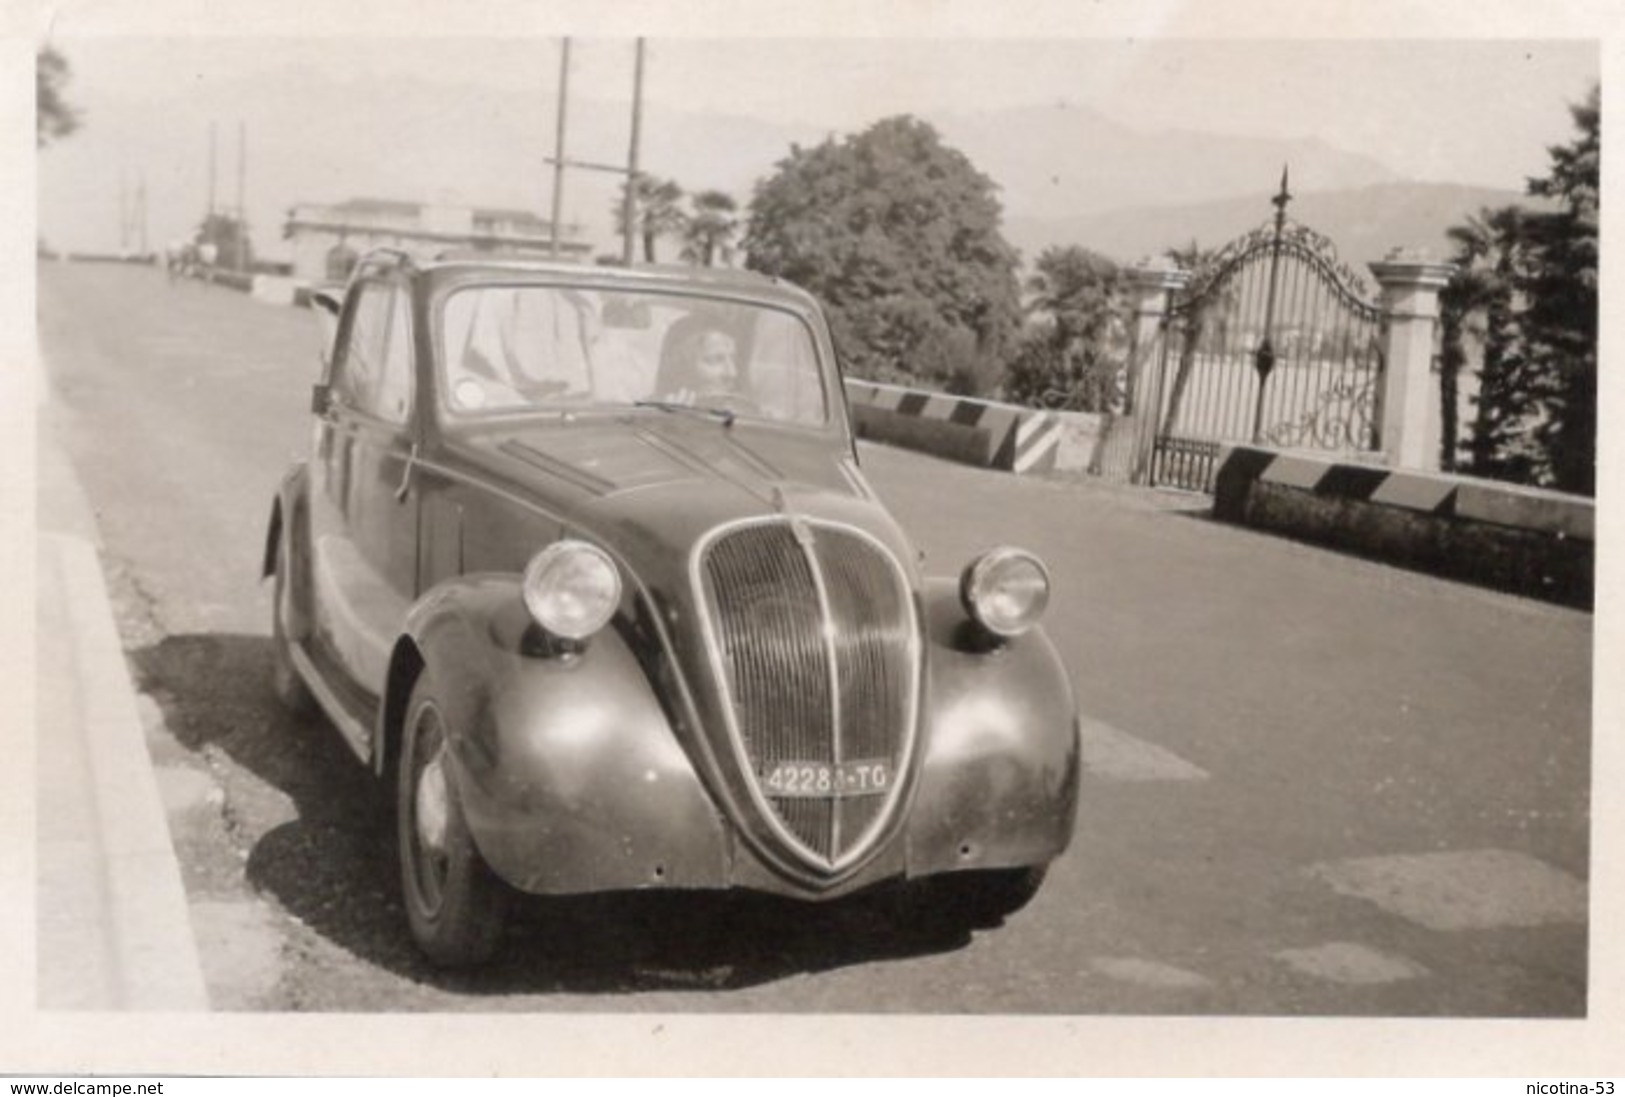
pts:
[354, 731]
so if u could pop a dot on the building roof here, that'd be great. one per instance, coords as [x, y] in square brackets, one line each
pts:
[378, 205]
[518, 226]
[489, 213]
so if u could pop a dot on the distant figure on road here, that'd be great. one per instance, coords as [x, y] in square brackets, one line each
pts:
[181, 260]
[174, 259]
[207, 254]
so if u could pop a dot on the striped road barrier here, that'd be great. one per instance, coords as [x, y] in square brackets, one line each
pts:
[1519, 539]
[982, 432]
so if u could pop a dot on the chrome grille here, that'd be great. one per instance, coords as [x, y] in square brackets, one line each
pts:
[815, 631]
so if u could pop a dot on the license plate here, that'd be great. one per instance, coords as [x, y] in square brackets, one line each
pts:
[826, 780]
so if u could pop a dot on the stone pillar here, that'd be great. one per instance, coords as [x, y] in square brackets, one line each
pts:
[1408, 402]
[1151, 287]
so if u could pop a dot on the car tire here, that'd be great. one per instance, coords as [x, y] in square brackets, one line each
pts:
[978, 899]
[455, 905]
[286, 682]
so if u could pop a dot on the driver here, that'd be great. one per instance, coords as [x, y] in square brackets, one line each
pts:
[711, 372]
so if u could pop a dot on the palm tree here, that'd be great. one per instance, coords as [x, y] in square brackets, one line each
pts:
[1480, 301]
[708, 236]
[1078, 291]
[1461, 304]
[657, 213]
[1213, 308]
[53, 115]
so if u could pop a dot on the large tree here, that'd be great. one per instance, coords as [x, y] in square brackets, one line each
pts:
[53, 116]
[899, 235]
[1527, 292]
[1559, 325]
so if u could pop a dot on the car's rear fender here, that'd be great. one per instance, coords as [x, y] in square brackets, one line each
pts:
[998, 784]
[569, 774]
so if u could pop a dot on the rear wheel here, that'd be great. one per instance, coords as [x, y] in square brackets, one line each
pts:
[289, 687]
[455, 904]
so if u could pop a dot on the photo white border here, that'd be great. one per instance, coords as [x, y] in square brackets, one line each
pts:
[702, 1044]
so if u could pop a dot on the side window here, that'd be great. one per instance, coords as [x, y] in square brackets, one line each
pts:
[394, 394]
[375, 373]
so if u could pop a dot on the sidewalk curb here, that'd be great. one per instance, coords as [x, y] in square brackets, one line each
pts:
[111, 862]
[149, 928]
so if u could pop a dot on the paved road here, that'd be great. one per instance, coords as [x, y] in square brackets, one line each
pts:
[1315, 784]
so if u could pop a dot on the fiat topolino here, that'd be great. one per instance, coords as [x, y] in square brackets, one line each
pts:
[582, 564]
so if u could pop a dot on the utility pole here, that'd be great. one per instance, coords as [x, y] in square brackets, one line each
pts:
[630, 171]
[240, 248]
[558, 144]
[630, 204]
[141, 204]
[211, 167]
[123, 211]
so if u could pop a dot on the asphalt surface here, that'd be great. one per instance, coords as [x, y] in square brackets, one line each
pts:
[1315, 785]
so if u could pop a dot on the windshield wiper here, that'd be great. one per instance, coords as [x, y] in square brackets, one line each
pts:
[726, 416]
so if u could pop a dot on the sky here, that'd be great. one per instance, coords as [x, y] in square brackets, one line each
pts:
[1463, 111]
[1446, 111]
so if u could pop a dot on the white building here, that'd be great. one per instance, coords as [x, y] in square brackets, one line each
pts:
[327, 239]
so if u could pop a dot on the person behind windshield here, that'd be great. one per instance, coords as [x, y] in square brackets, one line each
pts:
[711, 372]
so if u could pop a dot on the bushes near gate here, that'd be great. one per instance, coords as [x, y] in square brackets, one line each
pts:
[1072, 353]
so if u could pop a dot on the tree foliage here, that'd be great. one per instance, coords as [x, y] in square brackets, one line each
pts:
[1526, 293]
[53, 116]
[656, 211]
[899, 235]
[1560, 323]
[708, 235]
[1072, 353]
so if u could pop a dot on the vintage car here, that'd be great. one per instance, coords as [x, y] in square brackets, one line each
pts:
[582, 564]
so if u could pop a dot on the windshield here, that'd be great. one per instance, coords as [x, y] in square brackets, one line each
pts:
[516, 348]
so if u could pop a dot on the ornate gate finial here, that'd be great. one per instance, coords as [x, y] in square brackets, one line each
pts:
[1280, 200]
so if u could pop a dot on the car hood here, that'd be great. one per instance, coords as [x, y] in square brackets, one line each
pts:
[651, 489]
[649, 485]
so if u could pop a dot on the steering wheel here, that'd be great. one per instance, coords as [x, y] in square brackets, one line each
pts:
[733, 401]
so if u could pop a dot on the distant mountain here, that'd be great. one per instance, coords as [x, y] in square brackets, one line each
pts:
[1068, 161]
[1365, 223]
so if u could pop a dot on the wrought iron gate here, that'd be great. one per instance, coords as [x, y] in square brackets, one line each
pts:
[1275, 342]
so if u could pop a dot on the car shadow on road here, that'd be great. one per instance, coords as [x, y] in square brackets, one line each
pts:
[332, 866]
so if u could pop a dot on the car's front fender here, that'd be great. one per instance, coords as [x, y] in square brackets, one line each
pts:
[569, 774]
[998, 784]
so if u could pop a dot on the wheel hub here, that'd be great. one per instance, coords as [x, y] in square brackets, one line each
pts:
[431, 802]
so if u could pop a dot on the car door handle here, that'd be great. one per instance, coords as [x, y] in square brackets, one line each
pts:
[406, 475]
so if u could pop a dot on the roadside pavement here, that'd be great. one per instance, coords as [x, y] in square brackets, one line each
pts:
[113, 928]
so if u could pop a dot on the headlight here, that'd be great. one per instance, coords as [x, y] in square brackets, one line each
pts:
[572, 589]
[1005, 590]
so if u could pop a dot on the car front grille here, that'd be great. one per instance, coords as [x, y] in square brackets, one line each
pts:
[814, 631]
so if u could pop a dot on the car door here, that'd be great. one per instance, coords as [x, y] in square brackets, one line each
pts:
[364, 512]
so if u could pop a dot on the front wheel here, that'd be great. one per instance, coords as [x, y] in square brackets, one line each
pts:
[455, 904]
